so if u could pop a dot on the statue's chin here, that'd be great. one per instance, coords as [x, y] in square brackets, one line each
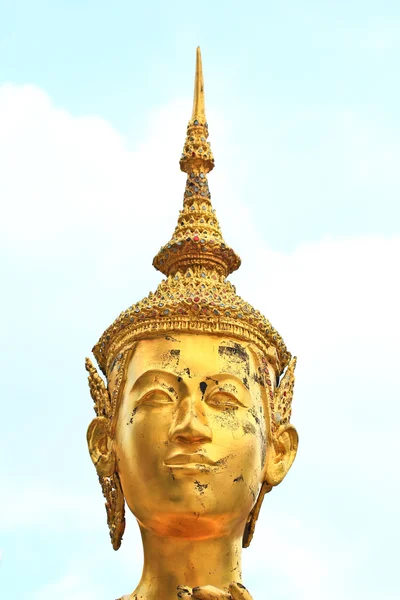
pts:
[192, 511]
[194, 526]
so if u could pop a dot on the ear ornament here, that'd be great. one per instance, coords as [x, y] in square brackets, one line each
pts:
[281, 409]
[105, 465]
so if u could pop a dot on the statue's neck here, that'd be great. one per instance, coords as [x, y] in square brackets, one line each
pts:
[173, 561]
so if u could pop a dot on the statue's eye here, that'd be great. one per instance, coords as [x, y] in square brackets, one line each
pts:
[156, 397]
[223, 400]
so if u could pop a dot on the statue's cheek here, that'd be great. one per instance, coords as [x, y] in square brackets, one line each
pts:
[224, 422]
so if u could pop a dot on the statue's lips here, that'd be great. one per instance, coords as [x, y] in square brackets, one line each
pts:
[188, 460]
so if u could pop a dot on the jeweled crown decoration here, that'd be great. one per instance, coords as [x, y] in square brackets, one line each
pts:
[195, 297]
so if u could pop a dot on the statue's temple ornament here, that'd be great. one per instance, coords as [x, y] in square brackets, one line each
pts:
[194, 299]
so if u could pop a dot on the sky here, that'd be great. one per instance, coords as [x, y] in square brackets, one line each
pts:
[302, 102]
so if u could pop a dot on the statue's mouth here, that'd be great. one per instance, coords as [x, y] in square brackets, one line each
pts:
[192, 460]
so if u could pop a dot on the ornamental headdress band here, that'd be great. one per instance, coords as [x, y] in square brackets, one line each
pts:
[195, 297]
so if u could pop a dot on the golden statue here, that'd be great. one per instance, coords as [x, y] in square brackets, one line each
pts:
[193, 427]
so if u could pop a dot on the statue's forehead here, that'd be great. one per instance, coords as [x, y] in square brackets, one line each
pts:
[196, 354]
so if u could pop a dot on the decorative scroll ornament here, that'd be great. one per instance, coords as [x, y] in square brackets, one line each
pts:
[284, 394]
[281, 408]
[98, 391]
[115, 507]
[110, 485]
[253, 516]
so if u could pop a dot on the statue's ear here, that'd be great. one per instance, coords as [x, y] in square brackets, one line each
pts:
[101, 447]
[280, 454]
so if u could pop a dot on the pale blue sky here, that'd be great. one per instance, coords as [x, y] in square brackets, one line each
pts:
[302, 101]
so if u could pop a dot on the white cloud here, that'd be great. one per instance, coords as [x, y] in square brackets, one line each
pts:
[65, 174]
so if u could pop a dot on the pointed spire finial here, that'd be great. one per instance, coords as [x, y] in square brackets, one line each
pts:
[197, 150]
[198, 98]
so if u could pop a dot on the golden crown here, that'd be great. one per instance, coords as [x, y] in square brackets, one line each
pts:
[195, 297]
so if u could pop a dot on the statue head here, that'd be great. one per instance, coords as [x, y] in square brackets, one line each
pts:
[193, 427]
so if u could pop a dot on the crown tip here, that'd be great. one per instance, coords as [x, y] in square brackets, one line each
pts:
[198, 98]
[197, 152]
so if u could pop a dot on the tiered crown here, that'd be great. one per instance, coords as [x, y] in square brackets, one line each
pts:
[197, 240]
[195, 297]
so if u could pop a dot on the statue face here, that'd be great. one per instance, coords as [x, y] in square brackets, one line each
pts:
[191, 434]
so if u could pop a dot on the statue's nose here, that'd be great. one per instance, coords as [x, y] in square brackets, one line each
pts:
[190, 424]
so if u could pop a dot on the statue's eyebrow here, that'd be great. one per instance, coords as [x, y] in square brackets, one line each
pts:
[221, 378]
[152, 375]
